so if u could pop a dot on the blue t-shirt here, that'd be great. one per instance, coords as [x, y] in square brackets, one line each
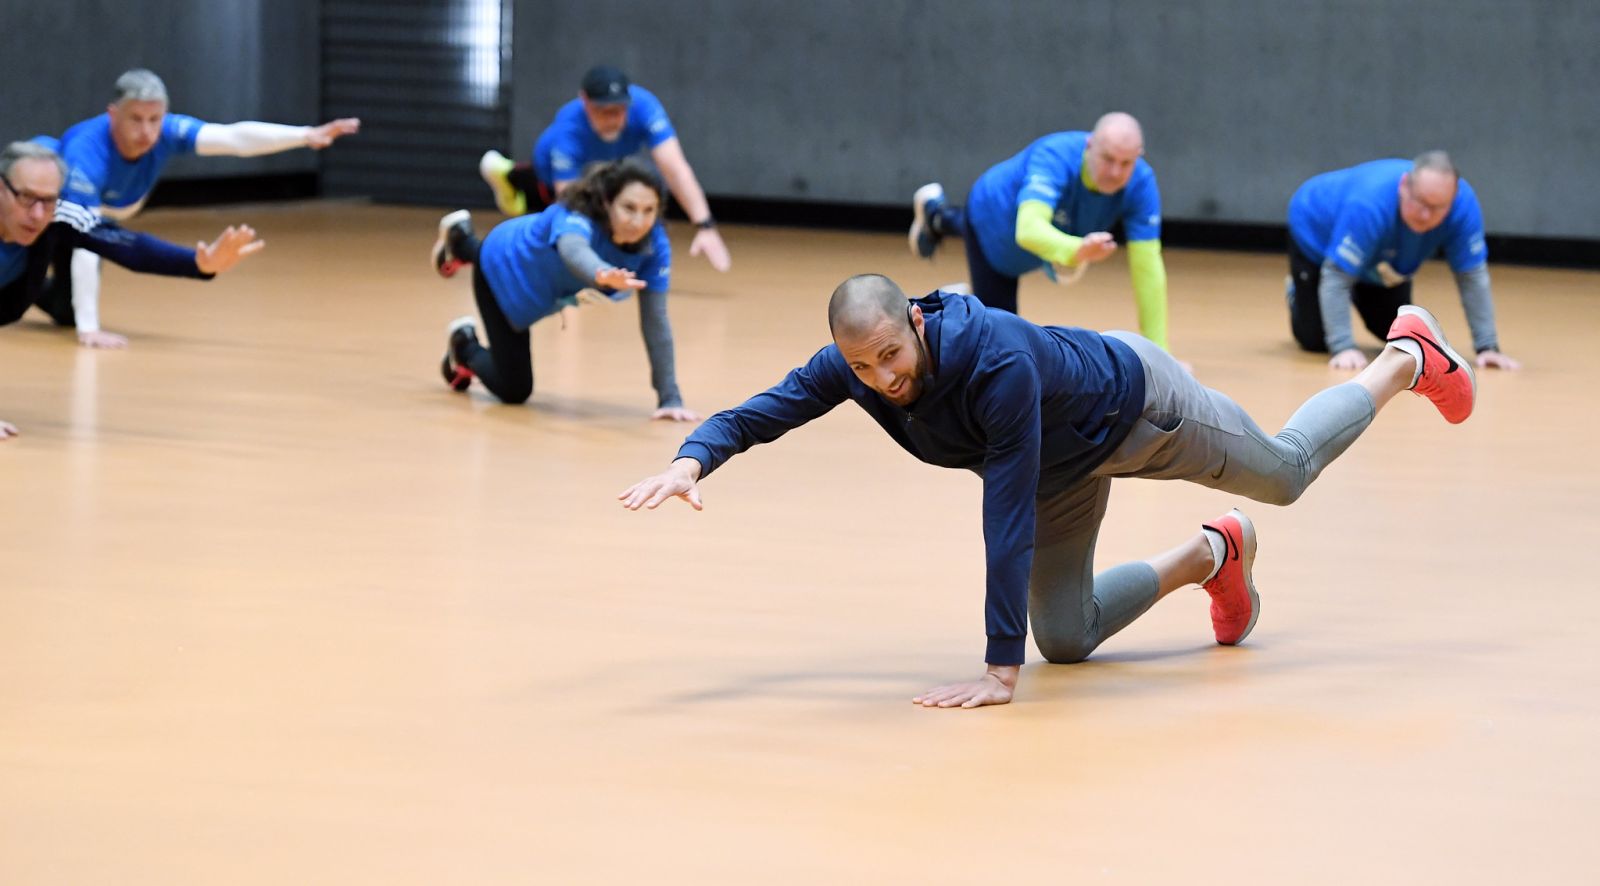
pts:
[529, 279]
[13, 261]
[1051, 170]
[98, 175]
[1352, 217]
[569, 144]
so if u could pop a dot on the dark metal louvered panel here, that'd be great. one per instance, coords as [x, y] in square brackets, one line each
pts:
[430, 80]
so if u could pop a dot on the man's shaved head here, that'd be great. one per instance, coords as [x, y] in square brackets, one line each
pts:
[1113, 151]
[1121, 129]
[879, 336]
[861, 303]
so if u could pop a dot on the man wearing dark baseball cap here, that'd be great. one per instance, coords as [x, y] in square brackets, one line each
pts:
[605, 85]
[610, 119]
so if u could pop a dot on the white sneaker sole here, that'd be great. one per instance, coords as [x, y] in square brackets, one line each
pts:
[1247, 560]
[919, 219]
[442, 242]
[489, 166]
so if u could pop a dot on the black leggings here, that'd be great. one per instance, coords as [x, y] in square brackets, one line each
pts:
[15, 299]
[537, 194]
[1378, 305]
[994, 289]
[506, 366]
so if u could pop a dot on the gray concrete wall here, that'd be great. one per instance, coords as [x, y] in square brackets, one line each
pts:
[845, 100]
[222, 60]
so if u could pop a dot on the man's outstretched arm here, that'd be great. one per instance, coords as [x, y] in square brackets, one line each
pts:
[804, 394]
[252, 138]
[1010, 417]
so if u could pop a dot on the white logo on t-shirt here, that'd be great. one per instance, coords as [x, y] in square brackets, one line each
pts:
[1352, 254]
[81, 183]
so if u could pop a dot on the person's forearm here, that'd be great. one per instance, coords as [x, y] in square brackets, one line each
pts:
[133, 250]
[684, 186]
[657, 331]
[804, 394]
[86, 290]
[1036, 233]
[249, 138]
[1479, 308]
[1009, 410]
[690, 466]
[1149, 277]
[1006, 674]
[579, 257]
[1333, 297]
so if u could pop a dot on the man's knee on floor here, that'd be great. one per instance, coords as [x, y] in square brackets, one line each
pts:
[1063, 648]
[1308, 341]
[517, 396]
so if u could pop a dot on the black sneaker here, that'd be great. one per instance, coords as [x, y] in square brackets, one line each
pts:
[452, 227]
[457, 375]
[927, 201]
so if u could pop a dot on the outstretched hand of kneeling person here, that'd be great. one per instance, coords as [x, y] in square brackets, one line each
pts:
[234, 245]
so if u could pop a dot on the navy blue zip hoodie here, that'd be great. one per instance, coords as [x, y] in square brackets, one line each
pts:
[1031, 409]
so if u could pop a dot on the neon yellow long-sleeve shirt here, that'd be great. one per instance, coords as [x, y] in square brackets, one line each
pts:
[1038, 235]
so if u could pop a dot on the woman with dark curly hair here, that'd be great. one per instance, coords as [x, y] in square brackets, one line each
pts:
[602, 240]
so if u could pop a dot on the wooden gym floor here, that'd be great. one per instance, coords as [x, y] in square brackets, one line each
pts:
[276, 607]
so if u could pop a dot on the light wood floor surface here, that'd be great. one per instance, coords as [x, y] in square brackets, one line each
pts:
[276, 607]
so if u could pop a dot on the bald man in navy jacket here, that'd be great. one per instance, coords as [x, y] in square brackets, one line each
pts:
[1047, 416]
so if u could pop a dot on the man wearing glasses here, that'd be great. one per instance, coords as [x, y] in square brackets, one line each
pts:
[1356, 237]
[115, 159]
[34, 223]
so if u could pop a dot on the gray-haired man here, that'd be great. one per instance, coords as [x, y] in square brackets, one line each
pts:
[1356, 237]
[114, 160]
[35, 223]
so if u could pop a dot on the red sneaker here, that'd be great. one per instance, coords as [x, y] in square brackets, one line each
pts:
[1446, 379]
[1234, 604]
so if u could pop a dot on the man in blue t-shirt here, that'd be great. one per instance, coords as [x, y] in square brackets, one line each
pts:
[1051, 208]
[34, 219]
[1047, 416]
[1358, 235]
[115, 159]
[610, 119]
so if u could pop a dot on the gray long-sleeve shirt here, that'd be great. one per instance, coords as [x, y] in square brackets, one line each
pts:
[1333, 296]
[654, 325]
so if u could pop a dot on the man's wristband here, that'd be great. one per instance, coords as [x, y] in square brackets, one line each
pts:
[706, 223]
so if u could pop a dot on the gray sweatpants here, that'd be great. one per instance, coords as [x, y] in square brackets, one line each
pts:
[1187, 432]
